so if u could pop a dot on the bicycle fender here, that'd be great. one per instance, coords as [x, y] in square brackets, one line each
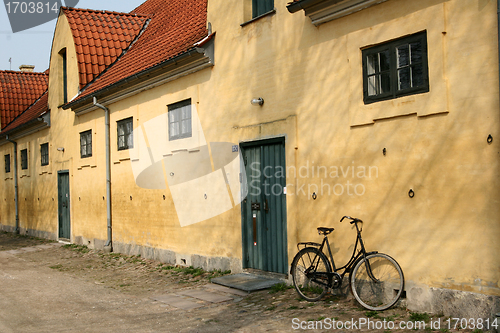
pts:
[361, 258]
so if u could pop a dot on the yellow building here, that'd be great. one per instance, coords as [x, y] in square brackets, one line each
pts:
[171, 127]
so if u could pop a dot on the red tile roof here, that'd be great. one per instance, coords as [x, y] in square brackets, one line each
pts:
[175, 26]
[18, 90]
[34, 111]
[100, 38]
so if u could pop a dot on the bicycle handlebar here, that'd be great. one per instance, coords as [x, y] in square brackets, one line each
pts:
[353, 219]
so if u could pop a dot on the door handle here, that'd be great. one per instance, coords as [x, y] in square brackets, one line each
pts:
[266, 206]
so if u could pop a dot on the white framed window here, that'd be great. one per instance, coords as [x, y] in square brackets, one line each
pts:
[179, 120]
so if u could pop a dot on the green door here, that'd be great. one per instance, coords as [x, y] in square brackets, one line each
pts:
[264, 233]
[63, 204]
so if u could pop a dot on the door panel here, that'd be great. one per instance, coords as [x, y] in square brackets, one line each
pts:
[63, 205]
[264, 209]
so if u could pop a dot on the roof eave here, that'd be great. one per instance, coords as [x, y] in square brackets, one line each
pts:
[194, 59]
[34, 125]
[322, 11]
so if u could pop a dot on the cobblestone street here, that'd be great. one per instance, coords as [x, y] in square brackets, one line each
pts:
[51, 287]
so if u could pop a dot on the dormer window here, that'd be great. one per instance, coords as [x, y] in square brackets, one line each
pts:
[64, 71]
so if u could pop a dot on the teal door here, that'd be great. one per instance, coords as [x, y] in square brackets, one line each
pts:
[264, 232]
[63, 204]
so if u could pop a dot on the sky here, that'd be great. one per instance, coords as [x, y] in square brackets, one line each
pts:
[32, 46]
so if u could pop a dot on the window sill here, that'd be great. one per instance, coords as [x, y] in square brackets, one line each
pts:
[269, 13]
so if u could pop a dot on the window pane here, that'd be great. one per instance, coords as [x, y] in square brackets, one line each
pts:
[186, 112]
[416, 52]
[372, 85]
[186, 127]
[372, 63]
[403, 55]
[174, 130]
[121, 141]
[385, 83]
[172, 116]
[404, 78]
[130, 140]
[384, 60]
[121, 131]
[129, 128]
[417, 76]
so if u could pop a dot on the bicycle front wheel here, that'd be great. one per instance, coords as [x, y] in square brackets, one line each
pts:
[377, 282]
[310, 274]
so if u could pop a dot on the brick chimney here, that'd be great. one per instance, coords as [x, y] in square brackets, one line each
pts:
[27, 68]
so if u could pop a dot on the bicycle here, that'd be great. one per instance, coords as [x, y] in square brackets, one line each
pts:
[376, 279]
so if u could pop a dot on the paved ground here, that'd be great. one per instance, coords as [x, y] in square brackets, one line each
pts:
[48, 287]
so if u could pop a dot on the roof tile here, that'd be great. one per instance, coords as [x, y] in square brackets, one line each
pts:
[175, 27]
[18, 90]
[37, 108]
[90, 27]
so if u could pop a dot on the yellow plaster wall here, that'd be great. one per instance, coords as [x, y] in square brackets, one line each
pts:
[7, 203]
[37, 186]
[311, 80]
[436, 142]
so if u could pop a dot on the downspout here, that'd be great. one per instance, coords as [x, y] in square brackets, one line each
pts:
[16, 186]
[109, 243]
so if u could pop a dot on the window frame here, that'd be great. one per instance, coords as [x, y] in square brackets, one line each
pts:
[392, 46]
[123, 123]
[44, 155]
[87, 134]
[7, 163]
[24, 159]
[173, 108]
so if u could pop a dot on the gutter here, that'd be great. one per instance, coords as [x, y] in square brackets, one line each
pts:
[108, 247]
[16, 186]
[296, 6]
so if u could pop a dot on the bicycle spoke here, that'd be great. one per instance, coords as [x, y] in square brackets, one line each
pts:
[309, 273]
[377, 282]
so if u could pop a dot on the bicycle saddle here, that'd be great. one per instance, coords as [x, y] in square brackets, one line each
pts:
[324, 230]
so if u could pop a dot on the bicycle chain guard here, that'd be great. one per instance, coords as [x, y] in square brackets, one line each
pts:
[337, 281]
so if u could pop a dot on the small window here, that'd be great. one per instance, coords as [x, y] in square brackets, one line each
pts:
[125, 134]
[24, 159]
[179, 120]
[86, 144]
[260, 7]
[394, 69]
[7, 163]
[44, 153]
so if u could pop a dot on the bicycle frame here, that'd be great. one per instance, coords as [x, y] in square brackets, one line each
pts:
[350, 264]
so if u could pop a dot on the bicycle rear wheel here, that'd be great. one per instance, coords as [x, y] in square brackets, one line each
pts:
[310, 269]
[380, 289]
